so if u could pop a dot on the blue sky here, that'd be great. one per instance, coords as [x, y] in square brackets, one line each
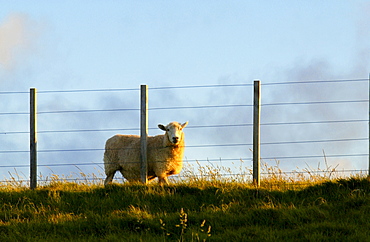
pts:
[77, 44]
[64, 45]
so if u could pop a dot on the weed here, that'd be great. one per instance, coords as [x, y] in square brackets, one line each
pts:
[179, 230]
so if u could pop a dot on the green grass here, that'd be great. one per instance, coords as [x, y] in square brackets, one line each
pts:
[193, 210]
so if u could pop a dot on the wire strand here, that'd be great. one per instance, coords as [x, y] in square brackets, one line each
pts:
[188, 127]
[313, 102]
[201, 146]
[185, 107]
[316, 82]
[190, 86]
[90, 90]
[312, 156]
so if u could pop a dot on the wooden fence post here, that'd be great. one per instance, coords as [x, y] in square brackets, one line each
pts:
[256, 132]
[144, 133]
[33, 138]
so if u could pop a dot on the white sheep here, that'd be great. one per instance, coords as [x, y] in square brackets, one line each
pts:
[164, 154]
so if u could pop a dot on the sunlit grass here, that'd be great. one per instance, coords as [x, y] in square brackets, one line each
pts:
[272, 176]
[205, 203]
[195, 174]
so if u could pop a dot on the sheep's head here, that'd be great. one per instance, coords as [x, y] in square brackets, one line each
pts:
[174, 131]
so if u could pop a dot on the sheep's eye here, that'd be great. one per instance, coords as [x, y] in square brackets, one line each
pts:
[168, 129]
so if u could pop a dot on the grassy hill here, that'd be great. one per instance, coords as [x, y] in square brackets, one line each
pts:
[204, 211]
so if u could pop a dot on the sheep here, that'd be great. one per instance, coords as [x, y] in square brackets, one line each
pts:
[164, 154]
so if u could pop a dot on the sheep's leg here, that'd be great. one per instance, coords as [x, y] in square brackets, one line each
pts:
[162, 181]
[151, 178]
[109, 178]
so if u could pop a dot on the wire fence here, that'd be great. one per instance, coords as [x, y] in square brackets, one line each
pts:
[303, 128]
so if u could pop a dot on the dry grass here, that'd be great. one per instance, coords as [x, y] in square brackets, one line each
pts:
[272, 177]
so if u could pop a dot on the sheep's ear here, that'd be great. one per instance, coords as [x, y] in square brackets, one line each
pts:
[184, 124]
[162, 127]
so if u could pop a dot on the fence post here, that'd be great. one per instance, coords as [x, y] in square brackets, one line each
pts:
[144, 133]
[33, 138]
[256, 132]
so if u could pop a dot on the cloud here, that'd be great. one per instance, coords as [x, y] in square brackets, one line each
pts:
[362, 59]
[17, 39]
[315, 70]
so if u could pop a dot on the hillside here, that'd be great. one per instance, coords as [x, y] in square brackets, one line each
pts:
[334, 210]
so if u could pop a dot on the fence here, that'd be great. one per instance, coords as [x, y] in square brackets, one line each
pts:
[213, 121]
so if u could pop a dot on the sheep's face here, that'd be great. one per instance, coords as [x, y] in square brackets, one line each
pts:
[173, 131]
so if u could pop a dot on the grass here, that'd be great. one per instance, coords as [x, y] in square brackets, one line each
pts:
[199, 208]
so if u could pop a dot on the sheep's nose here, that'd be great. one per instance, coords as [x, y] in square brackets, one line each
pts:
[175, 139]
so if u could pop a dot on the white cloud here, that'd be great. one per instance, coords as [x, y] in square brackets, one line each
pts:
[17, 39]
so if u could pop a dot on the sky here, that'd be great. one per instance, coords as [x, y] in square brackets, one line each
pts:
[90, 45]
